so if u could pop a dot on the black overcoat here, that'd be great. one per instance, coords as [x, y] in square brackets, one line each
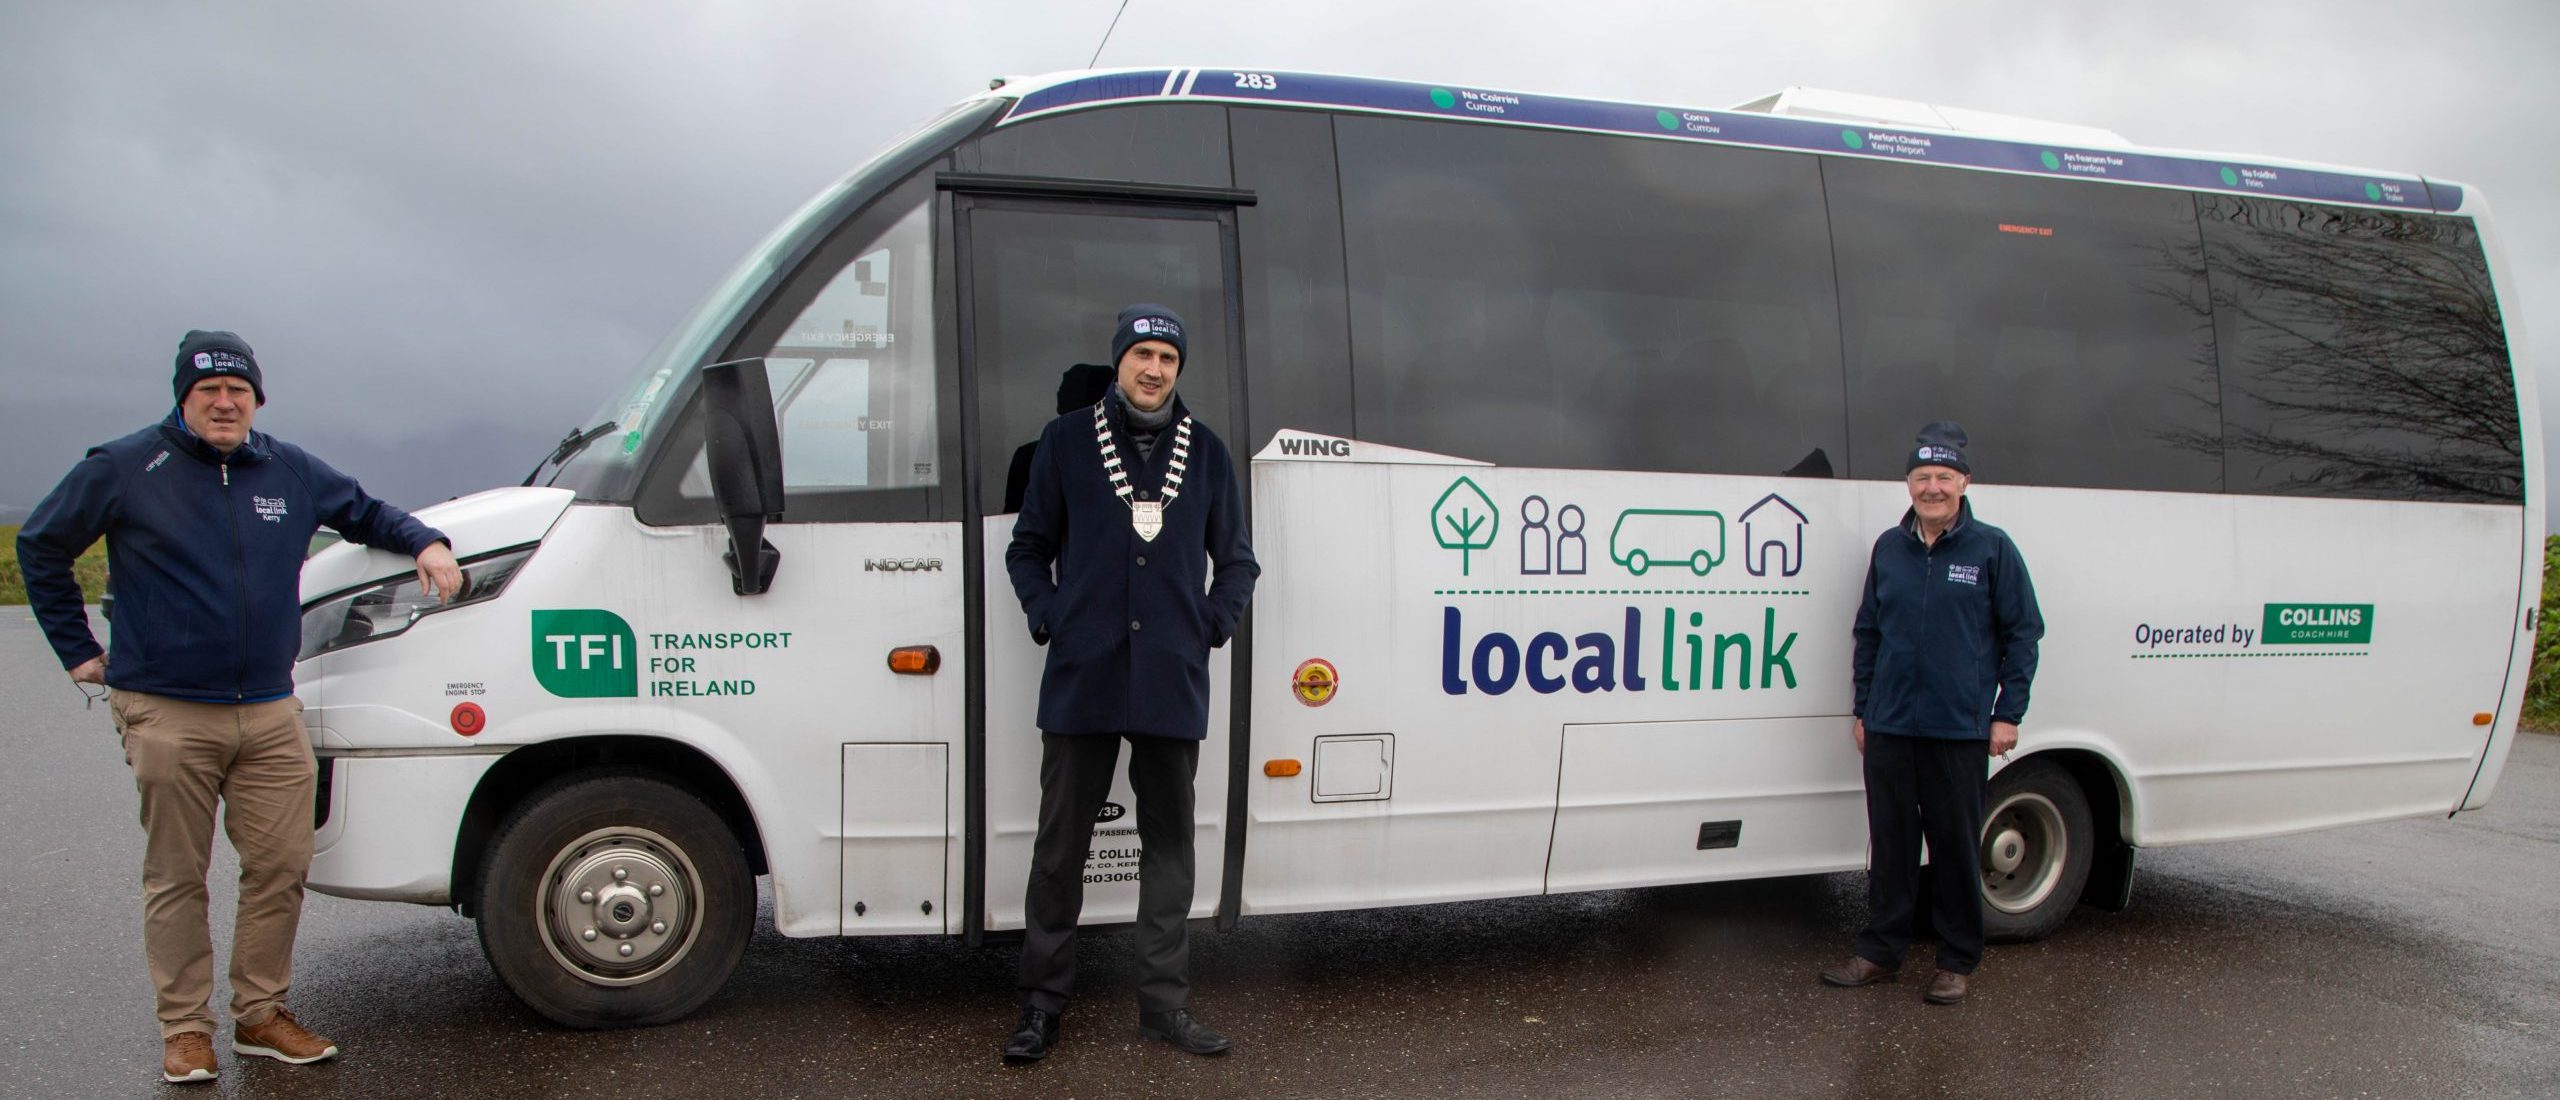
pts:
[1129, 622]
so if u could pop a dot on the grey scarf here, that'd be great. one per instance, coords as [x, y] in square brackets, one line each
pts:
[1144, 427]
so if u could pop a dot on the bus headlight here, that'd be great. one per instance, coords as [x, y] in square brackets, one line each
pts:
[385, 608]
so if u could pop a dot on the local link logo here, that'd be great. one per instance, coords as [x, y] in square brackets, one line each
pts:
[1691, 657]
[585, 653]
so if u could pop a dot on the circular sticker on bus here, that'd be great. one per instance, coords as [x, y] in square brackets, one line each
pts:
[1315, 681]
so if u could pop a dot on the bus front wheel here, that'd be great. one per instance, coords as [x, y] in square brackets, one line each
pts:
[614, 901]
[2037, 844]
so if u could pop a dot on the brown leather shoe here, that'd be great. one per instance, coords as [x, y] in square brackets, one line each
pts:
[282, 1038]
[1947, 988]
[186, 1058]
[1859, 970]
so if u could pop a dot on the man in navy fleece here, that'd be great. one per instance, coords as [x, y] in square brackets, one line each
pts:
[206, 523]
[1946, 647]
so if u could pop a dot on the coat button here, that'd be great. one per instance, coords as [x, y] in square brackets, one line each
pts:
[1142, 559]
[1133, 624]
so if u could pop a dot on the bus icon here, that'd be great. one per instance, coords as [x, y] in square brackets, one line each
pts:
[1646, 537]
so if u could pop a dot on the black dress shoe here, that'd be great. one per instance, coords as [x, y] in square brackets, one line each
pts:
[1032, 1038]
[1185, 1031]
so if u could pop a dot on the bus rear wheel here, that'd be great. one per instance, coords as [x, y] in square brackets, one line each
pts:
[2037, 844]
[614, 901]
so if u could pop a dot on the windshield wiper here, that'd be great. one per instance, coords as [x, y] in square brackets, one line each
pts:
[570, 445]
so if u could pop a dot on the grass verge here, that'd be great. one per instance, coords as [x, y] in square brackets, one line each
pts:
[2542, 685]
[91, 569]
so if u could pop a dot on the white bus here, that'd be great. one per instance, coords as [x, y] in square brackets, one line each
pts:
[2259, 427]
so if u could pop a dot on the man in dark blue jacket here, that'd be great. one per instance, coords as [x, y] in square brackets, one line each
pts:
[1127, 505]
[1946, 648]
[207, 523]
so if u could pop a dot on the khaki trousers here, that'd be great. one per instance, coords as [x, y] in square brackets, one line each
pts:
[255, 760]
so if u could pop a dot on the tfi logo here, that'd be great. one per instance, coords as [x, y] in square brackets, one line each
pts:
[584, 653]
[1316, 448]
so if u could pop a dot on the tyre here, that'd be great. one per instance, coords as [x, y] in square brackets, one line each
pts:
[1699, 563]
[614, 900]
[2037, 844]
[1637, 562]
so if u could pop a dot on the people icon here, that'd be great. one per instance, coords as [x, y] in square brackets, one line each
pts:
[1560, 550]
[1573, 554]
[1537, 551]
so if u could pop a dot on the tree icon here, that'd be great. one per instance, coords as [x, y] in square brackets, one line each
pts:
[1465, 522]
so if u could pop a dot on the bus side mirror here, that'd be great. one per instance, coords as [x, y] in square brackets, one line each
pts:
[743, 447]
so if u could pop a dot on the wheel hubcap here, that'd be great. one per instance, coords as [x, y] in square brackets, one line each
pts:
[2024, 847]
[619, 906]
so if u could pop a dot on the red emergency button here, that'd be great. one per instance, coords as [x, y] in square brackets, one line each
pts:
[468, 719]
[1315, 681]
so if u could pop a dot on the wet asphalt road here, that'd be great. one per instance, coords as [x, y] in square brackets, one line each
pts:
[2415, 958]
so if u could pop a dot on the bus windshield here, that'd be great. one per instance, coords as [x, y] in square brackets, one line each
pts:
[608, 469]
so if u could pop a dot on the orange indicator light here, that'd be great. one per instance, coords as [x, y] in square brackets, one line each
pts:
[1280, 769]
[915, 660]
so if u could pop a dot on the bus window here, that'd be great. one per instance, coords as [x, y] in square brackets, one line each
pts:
[2362, 354]
[853, 381]
[1562, 300]
[2064, 323]
[1183, 143]
[1048, 278]
[1299, 342]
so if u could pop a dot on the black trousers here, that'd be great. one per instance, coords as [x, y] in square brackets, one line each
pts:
[1924, 787]
[1075, 778]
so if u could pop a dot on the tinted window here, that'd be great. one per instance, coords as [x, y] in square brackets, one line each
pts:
[2063, 324]
[1297, 337]
[1183, 143]
[2362, 354]
[1568, 300]
[1049, 279]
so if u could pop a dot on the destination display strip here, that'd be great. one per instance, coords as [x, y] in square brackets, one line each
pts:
[1739, 128]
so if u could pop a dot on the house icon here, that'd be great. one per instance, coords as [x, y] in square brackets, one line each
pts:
[1773, 524]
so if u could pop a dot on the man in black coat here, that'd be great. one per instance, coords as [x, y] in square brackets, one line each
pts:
[1128, 504]
[1946, 648]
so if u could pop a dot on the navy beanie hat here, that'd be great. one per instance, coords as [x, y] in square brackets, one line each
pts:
[1147, 321]
[1941, 444]
[204, 354]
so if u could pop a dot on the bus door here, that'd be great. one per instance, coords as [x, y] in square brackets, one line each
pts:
[1039, 281]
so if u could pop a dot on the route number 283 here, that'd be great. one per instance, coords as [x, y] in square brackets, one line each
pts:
[1262, 82]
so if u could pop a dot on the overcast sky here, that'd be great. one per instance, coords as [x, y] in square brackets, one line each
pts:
[451, 229]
